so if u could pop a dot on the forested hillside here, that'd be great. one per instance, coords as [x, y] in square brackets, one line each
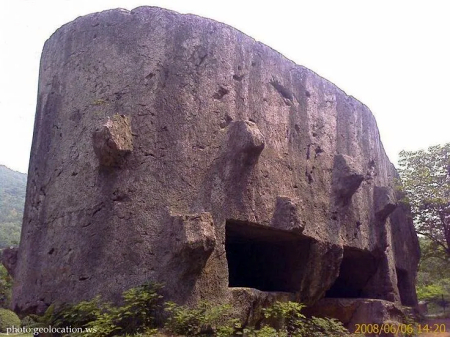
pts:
[12, 199]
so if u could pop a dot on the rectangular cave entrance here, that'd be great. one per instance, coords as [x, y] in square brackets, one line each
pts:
[405, 287]
[357, 268]
[264, 258]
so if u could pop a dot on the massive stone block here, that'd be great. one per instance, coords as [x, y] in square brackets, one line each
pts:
[175, 148]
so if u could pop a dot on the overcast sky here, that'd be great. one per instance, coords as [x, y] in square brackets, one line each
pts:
[393, 56]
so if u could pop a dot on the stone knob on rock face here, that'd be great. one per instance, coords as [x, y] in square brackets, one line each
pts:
[194, 232]
[246, 142]
[347, 178]
[286, 215]
[193, 241]
[9, 259]
[384, 201]
[113, 141]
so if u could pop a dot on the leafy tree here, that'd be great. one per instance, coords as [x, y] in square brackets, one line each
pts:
[425, 177]
[12, 198]
[434, 263]
[433, 278]
[432, 292]
[5, 287]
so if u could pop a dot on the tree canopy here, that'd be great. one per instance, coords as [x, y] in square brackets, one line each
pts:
[12, 198]
[425, 177]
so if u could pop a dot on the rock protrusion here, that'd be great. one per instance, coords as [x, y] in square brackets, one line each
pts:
[347, 178]
[246, 142]
[286, 215]
[283, 91]
[9, 259]
[384, 201]
[194, 239]
[113, 141]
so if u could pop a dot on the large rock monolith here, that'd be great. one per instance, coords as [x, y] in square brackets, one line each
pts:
[176, 149]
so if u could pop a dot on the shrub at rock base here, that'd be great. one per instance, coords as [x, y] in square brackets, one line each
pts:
[8, 319]
[141, 314]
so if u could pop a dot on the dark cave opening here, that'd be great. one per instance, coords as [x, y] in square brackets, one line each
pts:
[264, 258]
[357, 268]
[405, 287]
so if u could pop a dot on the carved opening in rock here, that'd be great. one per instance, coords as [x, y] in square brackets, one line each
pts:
[357, 268]
[405, 287]
[264, 258]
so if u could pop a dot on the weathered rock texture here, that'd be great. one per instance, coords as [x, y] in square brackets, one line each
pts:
[174, 148]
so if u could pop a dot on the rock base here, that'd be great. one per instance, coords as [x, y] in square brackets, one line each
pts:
[356, 312]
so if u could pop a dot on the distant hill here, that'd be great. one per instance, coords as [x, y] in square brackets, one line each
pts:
[12, 200]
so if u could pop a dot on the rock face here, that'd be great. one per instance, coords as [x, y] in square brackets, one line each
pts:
[174, 148]
[8, 257]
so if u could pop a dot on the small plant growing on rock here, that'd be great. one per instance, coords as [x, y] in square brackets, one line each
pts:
[289, 315]
[325, 327]
[204, 319]
[136, 315]
[291, 322]
[264, 331]
[80, 314]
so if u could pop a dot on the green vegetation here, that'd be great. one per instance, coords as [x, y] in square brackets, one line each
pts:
[143, 311]
[12, 199]
[205, 319]
[433, 278]
[425, 176]
[282, 319]
[294, 323]
[8, 319]
[138, 314]
[5, 287]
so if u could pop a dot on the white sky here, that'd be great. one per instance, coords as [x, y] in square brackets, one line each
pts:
[393, 56]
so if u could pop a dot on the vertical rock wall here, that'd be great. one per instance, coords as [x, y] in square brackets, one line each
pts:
[166, 145]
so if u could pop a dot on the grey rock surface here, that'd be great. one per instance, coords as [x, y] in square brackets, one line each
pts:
[177, 149]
